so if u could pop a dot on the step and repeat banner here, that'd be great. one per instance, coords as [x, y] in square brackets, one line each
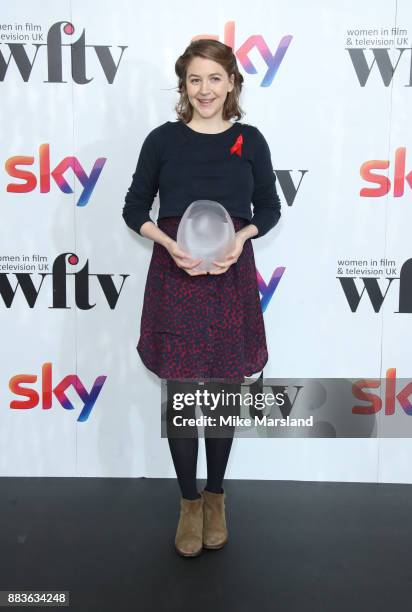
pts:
[82, 83]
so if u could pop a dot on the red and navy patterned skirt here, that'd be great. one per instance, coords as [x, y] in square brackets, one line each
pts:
[206, 327]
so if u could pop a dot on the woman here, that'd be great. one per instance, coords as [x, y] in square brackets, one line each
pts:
[198, 326]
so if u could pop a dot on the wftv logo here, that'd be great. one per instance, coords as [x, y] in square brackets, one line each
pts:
[383, 181]
[54, 59]
[58, 288]
[382, 59]
[88, 182]
[373, 289]
[45, 396]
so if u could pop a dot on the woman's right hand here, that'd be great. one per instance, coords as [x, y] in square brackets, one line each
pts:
[183, 259]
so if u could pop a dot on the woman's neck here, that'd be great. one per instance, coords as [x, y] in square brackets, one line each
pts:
[208, 126]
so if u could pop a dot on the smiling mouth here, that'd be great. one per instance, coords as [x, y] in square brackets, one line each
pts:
[205, 102]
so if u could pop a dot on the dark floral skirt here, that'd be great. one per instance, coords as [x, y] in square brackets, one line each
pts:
[202, 327]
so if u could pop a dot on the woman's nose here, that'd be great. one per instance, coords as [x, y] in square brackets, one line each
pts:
[204, 88]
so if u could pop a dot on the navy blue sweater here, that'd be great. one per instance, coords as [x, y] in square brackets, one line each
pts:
[233, 168]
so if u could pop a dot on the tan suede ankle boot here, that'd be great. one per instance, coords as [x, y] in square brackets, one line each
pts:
[215, 533]
[188, 540]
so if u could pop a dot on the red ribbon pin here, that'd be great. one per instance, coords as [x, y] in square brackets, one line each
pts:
[237, 147]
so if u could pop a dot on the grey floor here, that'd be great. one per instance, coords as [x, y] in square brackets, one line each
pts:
[304, 546]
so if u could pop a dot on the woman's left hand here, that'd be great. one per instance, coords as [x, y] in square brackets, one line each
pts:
[231, 258]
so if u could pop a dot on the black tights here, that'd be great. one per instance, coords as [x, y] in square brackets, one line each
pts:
[184, 451]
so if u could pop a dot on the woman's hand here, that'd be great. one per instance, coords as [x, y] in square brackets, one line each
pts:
[232, 257]
[183, 259]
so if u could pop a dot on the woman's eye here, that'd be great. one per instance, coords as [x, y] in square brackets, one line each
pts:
[213, 78]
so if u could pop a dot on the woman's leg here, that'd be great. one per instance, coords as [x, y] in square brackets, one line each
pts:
[184, 451]
[217, 455]
[218, 448]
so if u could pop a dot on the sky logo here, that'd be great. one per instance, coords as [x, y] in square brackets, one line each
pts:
[88, 181]
[45, 396]
[367, 172]
[256, 41]
[267, 290]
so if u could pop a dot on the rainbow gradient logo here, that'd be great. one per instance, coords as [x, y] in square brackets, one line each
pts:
[47, 392]
[256, 41]
[386, 398]
[88, 181]
[382, 181]
[267, 290]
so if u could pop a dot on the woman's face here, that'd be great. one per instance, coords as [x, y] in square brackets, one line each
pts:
[207, 80]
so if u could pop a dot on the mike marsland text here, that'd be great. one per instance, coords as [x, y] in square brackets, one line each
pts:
[236, 421]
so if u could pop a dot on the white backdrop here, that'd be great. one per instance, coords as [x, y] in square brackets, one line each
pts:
[331, 106]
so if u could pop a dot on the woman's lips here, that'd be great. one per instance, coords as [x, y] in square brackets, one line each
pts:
[206, 102]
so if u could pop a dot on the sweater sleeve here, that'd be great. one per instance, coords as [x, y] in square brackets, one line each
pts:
[265, 199]
[144, 187]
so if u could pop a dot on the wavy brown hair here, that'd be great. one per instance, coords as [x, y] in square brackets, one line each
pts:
[223, 55]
